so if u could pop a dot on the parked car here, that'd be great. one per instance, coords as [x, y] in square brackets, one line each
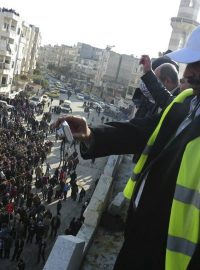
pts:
[102, 104]
[36, 100]
[63, 91]
[65, 108]
[80, 96]
[53, 93]
[86, 97]
[45, 98]
[114, 108]
[95, 105]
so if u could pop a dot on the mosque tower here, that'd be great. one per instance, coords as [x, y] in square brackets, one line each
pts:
[184, 23]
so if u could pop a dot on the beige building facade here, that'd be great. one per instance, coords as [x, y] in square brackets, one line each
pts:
[184, 23]
[19, 43]
[10, 30]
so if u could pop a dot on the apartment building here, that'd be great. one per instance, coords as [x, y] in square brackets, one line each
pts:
[10, 30]
[116, 73]
[60, 56]
[137, 72]
[19, 43]
[29, 45]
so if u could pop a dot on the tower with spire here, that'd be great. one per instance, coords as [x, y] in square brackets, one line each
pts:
[184, 23]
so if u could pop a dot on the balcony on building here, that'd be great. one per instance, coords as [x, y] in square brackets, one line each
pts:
[180, 22]
[5, 68]
[9, 33]
[5, 65]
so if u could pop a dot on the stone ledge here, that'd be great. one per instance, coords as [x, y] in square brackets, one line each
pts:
[66, 254]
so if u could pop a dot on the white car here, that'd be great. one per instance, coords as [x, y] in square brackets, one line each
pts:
[35, 100]
[102, 104]
[96, 104]
[80, 96]
[45, 98]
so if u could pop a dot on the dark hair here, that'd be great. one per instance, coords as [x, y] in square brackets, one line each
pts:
[168, 70]
[162, 60]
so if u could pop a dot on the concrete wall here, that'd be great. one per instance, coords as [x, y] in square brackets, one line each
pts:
[66, 254]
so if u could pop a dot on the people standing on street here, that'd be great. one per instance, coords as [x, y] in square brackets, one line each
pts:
[21, 265]
[49, 194]
[73, 177]
[74, 193]
[55, 225]
[81, 195]
[102, 119]
[44, 192]
[7, 246]
[16, 249]
[31, 230]
[59, 206]
[41, 251]
[21, 246]
[65, 190]
[48, 167]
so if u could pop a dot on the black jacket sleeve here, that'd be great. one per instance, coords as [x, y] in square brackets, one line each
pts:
[120, 137]
[160, 94]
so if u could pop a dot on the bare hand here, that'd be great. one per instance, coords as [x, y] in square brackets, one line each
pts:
[146, 62]
[78, 126]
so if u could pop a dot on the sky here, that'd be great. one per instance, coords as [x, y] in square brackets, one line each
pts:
[132, 26]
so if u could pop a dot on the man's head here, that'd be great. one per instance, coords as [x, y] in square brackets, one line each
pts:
[191, 76]
[190, 54]
[168, 75]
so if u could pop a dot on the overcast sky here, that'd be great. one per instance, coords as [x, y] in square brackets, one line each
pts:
[133, 26]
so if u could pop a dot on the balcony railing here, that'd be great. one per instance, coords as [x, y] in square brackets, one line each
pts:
[4, 66]
[184, 20]
[3, 85]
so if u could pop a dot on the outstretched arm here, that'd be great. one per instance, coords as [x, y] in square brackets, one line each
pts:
[159, 93]
[111, 138]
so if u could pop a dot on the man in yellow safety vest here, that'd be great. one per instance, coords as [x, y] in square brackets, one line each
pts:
[162, 230]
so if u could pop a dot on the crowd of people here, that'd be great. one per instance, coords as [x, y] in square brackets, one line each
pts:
[27, 186]
[162, 229]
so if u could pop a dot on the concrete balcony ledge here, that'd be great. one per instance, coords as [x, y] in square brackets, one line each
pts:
[66, 253]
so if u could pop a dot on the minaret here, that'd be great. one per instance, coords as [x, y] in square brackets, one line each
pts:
[184, 23]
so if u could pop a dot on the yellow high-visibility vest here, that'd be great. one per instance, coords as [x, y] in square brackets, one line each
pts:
[129, 188]
[184, 224]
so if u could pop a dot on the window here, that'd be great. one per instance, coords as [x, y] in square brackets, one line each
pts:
[187, 3]
[3, 81]
[5, 26]
[191, 4]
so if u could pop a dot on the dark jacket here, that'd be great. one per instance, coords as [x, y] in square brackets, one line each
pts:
[160, 94]
[147, 225]
[55, 222]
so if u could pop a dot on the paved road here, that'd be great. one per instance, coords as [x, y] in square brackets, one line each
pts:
[87, 174]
